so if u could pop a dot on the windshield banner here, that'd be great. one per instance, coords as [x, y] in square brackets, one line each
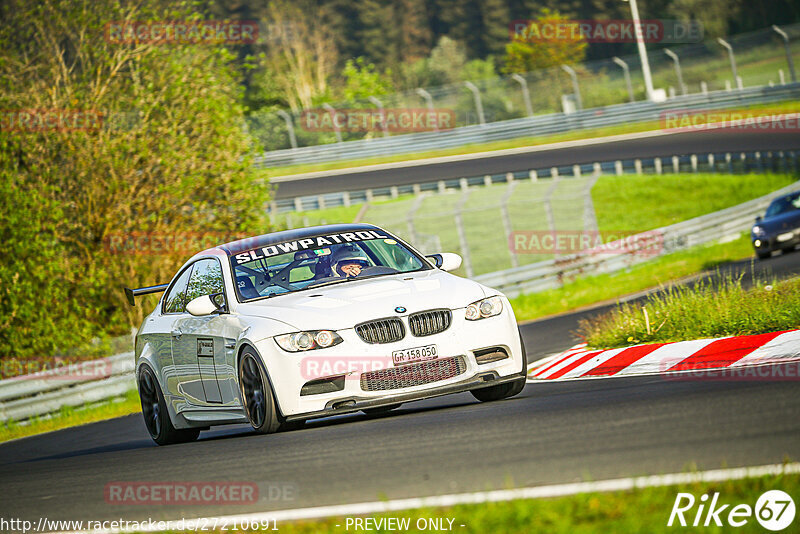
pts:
[308, 243]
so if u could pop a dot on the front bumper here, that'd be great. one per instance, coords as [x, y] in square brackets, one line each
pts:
[350, 405]
[288, 372]
[782, 240]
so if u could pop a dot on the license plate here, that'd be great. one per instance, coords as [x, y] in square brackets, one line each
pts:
[785, 237]
[417, 354]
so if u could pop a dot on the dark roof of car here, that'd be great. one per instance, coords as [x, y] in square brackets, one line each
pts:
[250, 243]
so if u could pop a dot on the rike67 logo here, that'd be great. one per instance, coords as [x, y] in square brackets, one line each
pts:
[774, 510]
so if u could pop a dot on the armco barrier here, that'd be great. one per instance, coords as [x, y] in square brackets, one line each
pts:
[526, 127]
[34, 395]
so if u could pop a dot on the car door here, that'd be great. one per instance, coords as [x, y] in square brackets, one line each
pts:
[202, 345]
[171, 307]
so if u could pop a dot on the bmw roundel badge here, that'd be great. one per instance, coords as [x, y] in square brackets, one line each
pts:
[400, 309]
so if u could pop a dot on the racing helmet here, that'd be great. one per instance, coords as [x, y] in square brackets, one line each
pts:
[348, 254]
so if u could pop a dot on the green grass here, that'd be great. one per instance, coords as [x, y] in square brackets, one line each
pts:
[590, 290]
[69, 417]
[783, 107]
[644, 510]
[707, 309]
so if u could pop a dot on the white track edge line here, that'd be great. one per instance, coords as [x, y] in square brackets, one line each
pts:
[540, 492]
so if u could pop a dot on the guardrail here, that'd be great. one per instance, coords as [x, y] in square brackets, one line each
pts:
[526, 127]
[553, 273]
[77, 384]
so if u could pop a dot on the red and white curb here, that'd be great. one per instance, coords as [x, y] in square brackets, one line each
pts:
[736, 352]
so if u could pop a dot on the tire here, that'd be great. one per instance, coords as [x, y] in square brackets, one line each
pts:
[763, 255]
[154, 411]
[381, 409]
[509, 389]
[256, 392]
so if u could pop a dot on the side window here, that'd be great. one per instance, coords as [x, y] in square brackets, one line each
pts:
[175, 301]
[206, 279]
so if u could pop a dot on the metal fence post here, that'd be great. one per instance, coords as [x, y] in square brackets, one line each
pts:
[789, 59]
[627, 72]
[732, 59]
[589, 216]
[526, 96]
[378, 104]
[412, 230]
[677, 62]
[332, 111]
[506, 218]
[289, 127]
[462, 236]
[478, 104]
[429, 101]
[575, 89]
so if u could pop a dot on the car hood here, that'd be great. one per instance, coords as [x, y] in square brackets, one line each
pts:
[344, 305]
[781, 223]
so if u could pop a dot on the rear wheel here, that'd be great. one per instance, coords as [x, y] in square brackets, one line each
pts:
[257, 395]
[154, 411]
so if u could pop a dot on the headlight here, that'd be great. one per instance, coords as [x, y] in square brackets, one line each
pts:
[757, 230]
[310, 340]
[484, 308]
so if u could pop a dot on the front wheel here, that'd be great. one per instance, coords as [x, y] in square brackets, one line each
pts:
[257, 395]
[154, 410]
[763, 255]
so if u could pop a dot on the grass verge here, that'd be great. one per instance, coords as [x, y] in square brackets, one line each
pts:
[594, 289]
[69, 417]
[640, 510]
[715, 308]
[782, 107]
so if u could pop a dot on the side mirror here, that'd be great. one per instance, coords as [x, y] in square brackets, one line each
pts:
[758, 218]
[201, 306]
[446, 261]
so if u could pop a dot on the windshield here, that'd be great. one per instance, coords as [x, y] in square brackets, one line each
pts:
[784, 205]
[320, 260]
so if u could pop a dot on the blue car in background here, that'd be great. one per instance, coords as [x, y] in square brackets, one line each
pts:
[779, 229]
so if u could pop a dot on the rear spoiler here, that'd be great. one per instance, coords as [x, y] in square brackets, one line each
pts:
[131, 293]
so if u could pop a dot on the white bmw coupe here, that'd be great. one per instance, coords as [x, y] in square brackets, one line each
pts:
[281, 328]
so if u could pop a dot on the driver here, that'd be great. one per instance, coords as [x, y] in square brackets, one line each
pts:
[348, 261]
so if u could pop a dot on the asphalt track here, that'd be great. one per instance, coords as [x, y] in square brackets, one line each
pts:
[679, 143]
[551, 433]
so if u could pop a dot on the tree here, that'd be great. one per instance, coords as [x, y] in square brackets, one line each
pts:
[85, 202]
[531, 49]
[302, 60]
